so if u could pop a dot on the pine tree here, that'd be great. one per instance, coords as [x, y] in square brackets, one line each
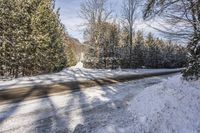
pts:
[71, 58]
[6, 8]
[108, 42]
[185, 23]
[138, 50]
[150, 50]
[48, 38]
[193, 66]
[31, 38]
[13, 35]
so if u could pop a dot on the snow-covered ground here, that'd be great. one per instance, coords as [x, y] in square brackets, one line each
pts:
[73, 74]
[167, 106]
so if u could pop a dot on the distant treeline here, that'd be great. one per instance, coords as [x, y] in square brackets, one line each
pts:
[113, 44]
[146, 52]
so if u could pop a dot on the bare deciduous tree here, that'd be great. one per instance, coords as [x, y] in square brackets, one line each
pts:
[129, 15]
[95, 13]
[183, 17]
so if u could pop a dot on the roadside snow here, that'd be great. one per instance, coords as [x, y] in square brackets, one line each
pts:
[169, 107]
[65, 112]
[78, 65]
[76, 73]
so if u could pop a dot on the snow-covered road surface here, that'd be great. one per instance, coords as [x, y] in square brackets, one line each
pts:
[74, 74]
[88, 110]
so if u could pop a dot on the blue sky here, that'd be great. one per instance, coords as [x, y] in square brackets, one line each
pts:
[69, 10]
[69, 14]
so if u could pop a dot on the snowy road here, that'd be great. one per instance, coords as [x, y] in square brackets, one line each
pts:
[29, 88]
[75, 74]
[87, 110]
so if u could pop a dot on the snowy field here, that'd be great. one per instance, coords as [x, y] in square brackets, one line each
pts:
[73, 74]
[157, 105]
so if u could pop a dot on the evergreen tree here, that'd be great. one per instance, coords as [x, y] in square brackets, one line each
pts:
[13, 35]
[193, 66]
[185, 23]
[71, 59]
[150, 43]
[138, 50]
[31, 38]
[48, 38]
[110, 41]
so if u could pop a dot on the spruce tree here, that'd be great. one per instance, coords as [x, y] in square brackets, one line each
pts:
[12, 36]
[150, 47]
[193, 67]
[138, 50]
[70, 54]
[31, 38]
[48, 38]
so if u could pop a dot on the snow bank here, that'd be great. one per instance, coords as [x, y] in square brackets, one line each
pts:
[78, 65]
[172, 106]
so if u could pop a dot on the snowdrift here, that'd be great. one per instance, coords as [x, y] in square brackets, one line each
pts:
[169, 107]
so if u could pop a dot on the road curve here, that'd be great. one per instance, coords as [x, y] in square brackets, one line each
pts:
[87, 110]
[38, 91]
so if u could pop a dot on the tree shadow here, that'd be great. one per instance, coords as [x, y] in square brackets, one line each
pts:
[75, 120]
[51, 123]
[76, 99]
[64, 121]
[88, 121]
[16, 103]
